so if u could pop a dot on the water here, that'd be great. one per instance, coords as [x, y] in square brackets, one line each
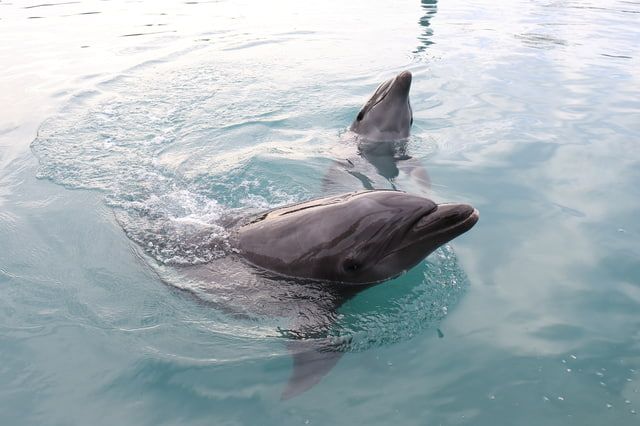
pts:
[129, 123]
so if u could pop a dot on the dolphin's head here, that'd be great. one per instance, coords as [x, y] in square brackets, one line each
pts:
[357, 238]
[387, 115]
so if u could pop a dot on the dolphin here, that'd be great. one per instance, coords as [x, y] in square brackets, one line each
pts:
[381, 129]
[387, 115]
[303, 261]
[360, 238]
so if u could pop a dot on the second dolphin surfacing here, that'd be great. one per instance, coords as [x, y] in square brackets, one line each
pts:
[387, 114]
[302, 262]
[380, 133]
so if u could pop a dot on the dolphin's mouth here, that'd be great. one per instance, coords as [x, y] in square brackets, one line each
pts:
[438, 226]
[400, 85]
[403, 81]
[448, 220]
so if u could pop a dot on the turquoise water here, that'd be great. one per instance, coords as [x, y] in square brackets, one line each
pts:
[129, 130]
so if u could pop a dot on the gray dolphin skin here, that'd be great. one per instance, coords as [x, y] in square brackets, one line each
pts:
[382, 128]
[302, 262]
[387, 115]
[359, 238]
[342, 245]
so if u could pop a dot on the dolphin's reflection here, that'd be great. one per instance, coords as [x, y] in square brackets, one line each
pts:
[430, 8]
[391, 160]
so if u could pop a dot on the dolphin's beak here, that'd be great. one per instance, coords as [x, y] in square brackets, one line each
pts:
[402, 83]
[447, 221]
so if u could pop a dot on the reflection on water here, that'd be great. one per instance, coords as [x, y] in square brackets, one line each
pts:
[541, 41]
[430, 7]
[50, 4]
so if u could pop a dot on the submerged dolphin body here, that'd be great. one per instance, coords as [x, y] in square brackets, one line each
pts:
[303, 261]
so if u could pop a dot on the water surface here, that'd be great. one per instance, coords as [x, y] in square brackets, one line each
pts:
[128, 130]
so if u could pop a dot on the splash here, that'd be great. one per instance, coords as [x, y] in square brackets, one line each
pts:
[147, 141]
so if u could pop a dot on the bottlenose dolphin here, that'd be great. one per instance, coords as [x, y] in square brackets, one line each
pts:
[352, 239]
[303, 261]
[381, 129]
[387, 115]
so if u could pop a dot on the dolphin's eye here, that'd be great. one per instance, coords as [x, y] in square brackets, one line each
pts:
[360, 116]
[350, 265]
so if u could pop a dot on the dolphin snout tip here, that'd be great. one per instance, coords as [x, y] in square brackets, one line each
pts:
[403, 81]
[465, 213]
[466, 210]
[405, 75]
[469, 216]
[453, 216]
